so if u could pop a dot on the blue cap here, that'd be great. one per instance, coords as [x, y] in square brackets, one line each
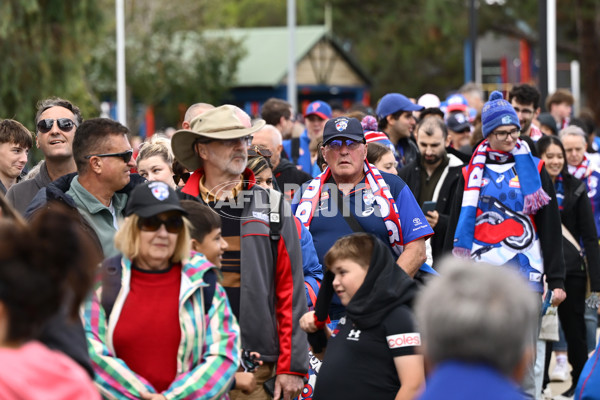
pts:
[457, 102]
[394, 102]
[319, 108]
[497, 112]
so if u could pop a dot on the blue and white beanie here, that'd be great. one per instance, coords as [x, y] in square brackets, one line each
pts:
[497, 112]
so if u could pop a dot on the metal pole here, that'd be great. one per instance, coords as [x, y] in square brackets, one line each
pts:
[576, 85]
[292, 96]
[551, 46]
[473, 39]
[543, 73]
[121, 86]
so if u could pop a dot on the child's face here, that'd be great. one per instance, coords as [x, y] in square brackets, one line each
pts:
[213, 246]
[349, 276]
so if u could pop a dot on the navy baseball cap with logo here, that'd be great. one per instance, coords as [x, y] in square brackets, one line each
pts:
[318, 108]
[457, 122]
[343, 127]
[152, 198]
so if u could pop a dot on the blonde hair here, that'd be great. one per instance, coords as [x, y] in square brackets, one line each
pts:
[157, 146]
[127, 239]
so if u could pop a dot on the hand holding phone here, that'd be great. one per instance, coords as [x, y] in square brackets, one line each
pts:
[428, 206]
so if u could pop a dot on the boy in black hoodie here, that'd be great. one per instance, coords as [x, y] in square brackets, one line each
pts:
[372, 352]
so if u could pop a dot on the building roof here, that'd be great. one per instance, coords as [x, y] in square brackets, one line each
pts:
[265, 62]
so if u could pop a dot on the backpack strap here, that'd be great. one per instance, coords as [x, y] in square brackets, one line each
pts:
[208, 292]
[111, 283]
[275, 213]
[295, 150]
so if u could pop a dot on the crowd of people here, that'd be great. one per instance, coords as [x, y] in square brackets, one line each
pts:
[333, 254]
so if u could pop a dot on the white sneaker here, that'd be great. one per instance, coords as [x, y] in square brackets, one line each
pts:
[560, 372]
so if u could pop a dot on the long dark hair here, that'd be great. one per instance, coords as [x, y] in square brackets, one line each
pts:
[44, 266]
[545, 142]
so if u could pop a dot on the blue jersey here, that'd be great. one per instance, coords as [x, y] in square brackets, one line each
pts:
[328, 224]
[503, 235]
[304, 161]
[592, 184]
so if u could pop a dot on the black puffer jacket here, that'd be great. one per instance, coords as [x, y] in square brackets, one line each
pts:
[578, 218]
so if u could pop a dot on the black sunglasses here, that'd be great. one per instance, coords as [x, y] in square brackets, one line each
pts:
[64, 124]
[181, 177]
[126, 155]
[172, 224]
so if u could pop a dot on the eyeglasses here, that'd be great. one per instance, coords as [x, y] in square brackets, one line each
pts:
[258, 150]
[181, 177]
[246, 140]
[524, 111]
[503, 135]
[173, 224]
[336, 145]
[64, 124]
[126, 155]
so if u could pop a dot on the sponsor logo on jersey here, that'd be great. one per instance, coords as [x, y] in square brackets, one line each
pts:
[404, 340]
[354, 335]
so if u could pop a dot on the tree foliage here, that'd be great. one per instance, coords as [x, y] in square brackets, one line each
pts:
[168, 60]
[67, 47]
[45, 45]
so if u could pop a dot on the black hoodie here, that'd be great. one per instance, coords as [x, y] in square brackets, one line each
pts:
[386, 286]
[378, 327]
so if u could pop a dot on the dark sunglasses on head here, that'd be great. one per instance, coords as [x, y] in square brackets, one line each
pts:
[126, 155]
[181, 177]
[173, 224]
[257, 150]
[64, 124]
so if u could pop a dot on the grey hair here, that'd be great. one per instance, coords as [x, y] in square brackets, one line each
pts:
[476, 312]
[573, 130]
[45, 104]
[275, 135]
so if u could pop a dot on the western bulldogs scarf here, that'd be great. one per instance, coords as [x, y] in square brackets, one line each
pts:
[582, 170]
[531, 185]
[381, 195]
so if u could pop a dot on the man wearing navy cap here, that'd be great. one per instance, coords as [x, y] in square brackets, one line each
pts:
[351, 195]
[395, 118]
[297, 149]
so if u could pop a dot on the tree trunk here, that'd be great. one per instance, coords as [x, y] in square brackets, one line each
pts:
[588, 29]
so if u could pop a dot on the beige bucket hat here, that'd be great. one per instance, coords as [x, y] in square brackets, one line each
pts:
[221, 123]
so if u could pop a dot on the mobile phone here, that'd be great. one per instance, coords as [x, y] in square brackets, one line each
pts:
[269, 386]
[428, 206]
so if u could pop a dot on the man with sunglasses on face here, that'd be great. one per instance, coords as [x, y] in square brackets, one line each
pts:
[506, 212]
[351, 195]
[55, 121]
[262, 271]
[100, 187]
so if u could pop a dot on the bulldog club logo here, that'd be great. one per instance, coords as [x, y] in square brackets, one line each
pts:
[159, 190]
[341, 125]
